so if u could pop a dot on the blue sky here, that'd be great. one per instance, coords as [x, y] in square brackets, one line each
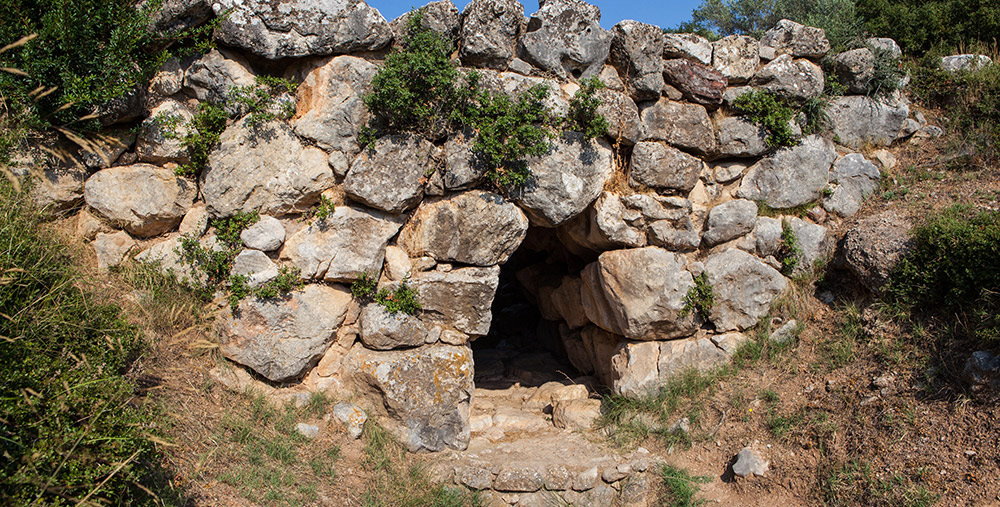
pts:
[655, 12]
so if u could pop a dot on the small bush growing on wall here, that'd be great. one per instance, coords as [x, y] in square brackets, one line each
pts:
[789, 251]
[401, 299]
[765, 110]
[700, 298]
[583, 116]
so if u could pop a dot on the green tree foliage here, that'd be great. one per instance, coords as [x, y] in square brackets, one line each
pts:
[70, 430]
[754, 17]
[768, 111]
[919, 25]
[89, 51]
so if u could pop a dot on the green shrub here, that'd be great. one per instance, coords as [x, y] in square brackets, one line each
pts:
[769, 112]
[699, 298]
[583, 116]
[364, 288]
[679, 487]
[418, 89]
[919, 25]
[70, 428]
[202, 135]
[954, 266]
[719, 18]
[288, 280]
[887, 75]
[971, 100]
[508, 130]
[258, 102]
[789, 252]
[402, 299]
[228, 229]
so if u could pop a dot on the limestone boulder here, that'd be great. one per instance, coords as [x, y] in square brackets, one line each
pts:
[857, 120]
[267, 235]
[622, 115]
[815, 241]
[576, 414]
[683, 125]
[854, 178]
[885, 45]
[111, 249]
[792, 176]
[488, 37]
[566, 179]
[635, 368]
[797, 40]
[330, 108]
[874, 246]
[349, 242]
[460, 299]
[145, 199]
[796, 79]
[462, 168]
[737, 137]
[966, 62]
[264, 168]
[176, 15]
[688, 46]
[699, 83]
[475, 227]
[442, 17]
[424, 392]
[565, 37]
[303, 28]
[677, 356]
[281, 339]
[613, 225]
[663, 167]
[391, 176]
[736, 57]
[729, 220]
[166, 255]
[567, 302]
[383, 330]
[639, 294]
[637, 53]
[160, 135]
[256, 266]
[744, 288]
[854, 69]
[211, 76]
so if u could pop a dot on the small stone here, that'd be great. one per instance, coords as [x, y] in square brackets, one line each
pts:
[352, 417]
[309, 431]
[749, 462]
[111, 249]
[267, 235]
[256, 266]
[521, 480]
[883, 382]
[195, 222]
[784, 334]
[588, 479]
[575, 414]
[612, 475]
[682, 425]
[474, 478]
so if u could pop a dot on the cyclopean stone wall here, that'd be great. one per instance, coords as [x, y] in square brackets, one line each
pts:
[673, 191]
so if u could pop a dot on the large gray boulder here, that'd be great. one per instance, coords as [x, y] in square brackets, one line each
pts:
[460, 299]
[683, 125]
[857, 120]
[885, 45]
[799, 41]
[637, 53]
[488, 37]
[391, 176]
[736, 57]
[172, 16]
[462, 168]
[688, 46]
[874, 246]
[854, 69]
[267, 235]
[854, 178]
[441, 16]
[622, 115]
[792, 176]
[565, 37]
[738, 137]
[566, 179]
[678, 356]
[330, 108]
[383, 330]
[475, 227]
[632, 221]
[663, 167]
[160, 135]
[145, 199]
[639, 294]
[966, 62]
[729, 220]
[301, 27]
[349, 242]
[795, 79]
[425, 392]
[256, 266]
[212, 75]
[744, 288]
[264, 168]
[698, 83]
[281, 339]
